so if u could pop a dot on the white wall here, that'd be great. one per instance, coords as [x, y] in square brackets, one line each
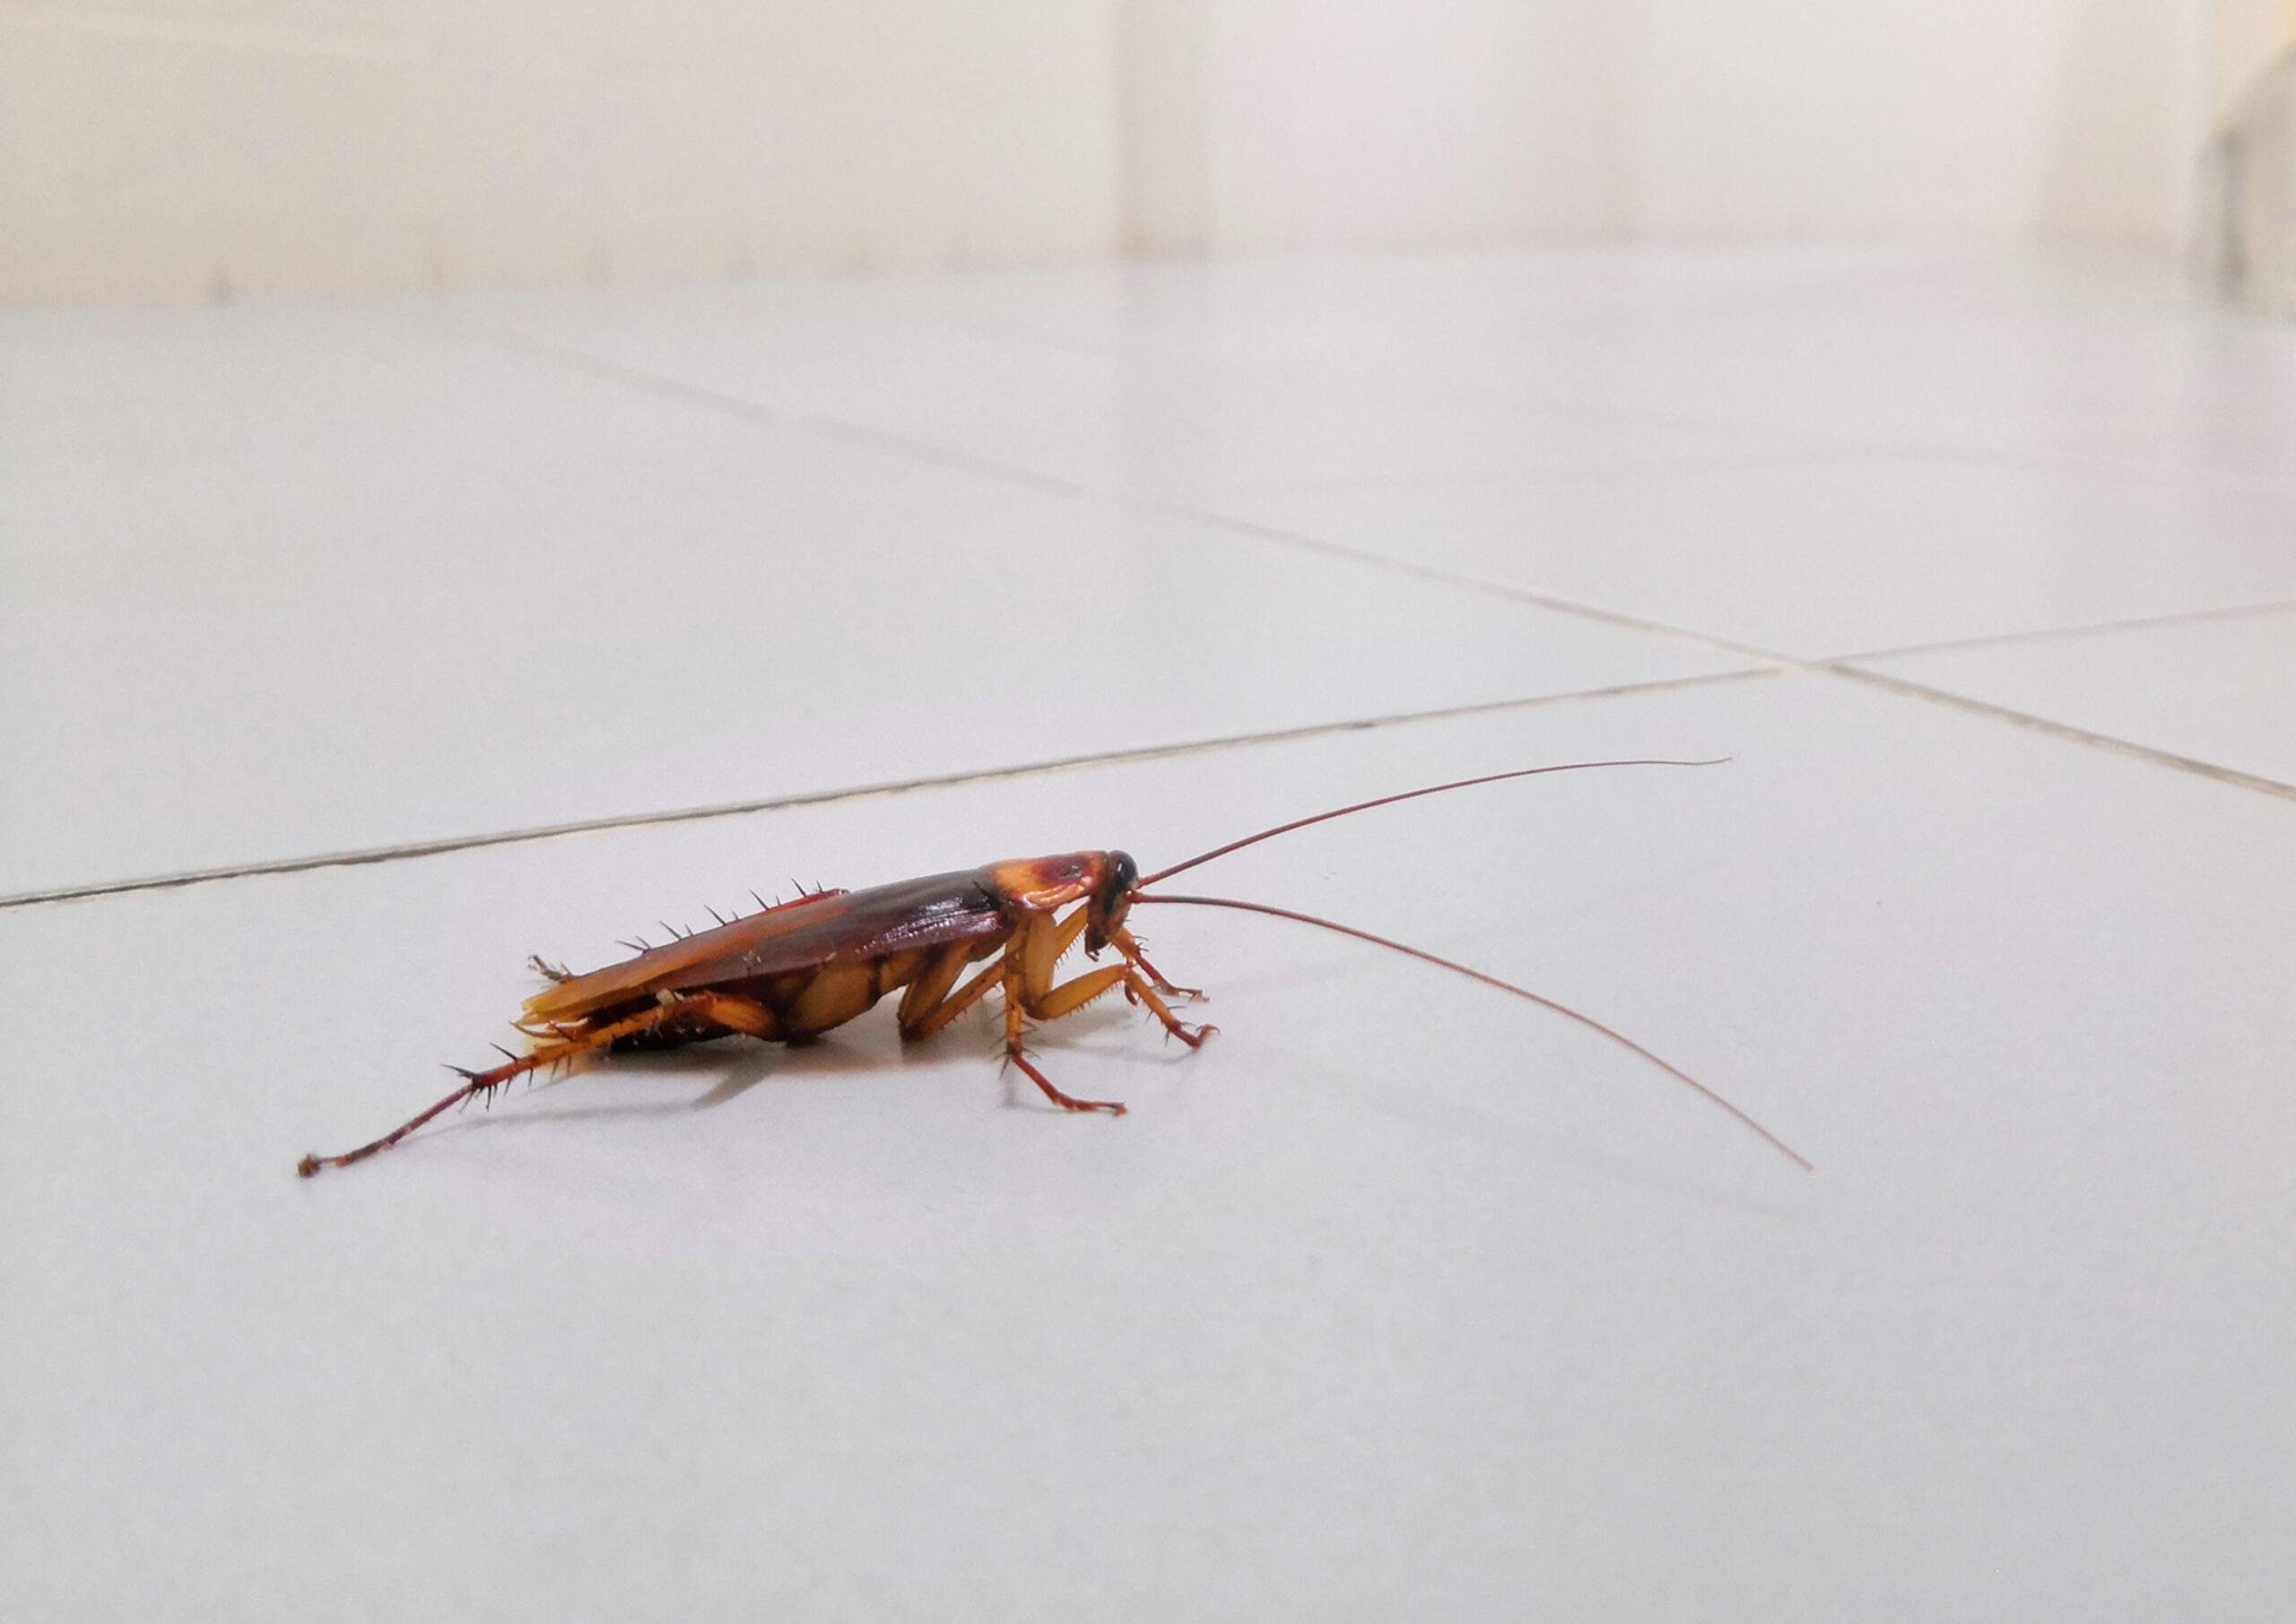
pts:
[1908, 117]
[1479, 122]
[1379, 124]
[2251, 35]
[179, 148]
[164, 148]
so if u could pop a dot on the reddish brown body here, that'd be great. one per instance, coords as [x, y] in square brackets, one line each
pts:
[789, 973]
[792, 972]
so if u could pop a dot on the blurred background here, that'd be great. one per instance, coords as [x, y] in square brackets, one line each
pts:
[189, 148]
[478, 477]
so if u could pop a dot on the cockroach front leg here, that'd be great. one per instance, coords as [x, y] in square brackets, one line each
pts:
[1028, 974]
[1128, 945]
[1072, 995]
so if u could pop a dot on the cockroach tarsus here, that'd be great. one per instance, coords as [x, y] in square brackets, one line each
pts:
[794, 971]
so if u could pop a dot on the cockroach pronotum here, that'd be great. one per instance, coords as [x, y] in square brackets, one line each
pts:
[792, 971]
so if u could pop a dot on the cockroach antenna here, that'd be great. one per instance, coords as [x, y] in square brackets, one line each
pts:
[1408, 795]
[1141, 894]
[796, 969]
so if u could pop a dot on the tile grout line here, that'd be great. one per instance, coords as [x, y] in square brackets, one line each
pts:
[406, 851]
[757, 412]
[2066, 730]
[1840, 666]
[924, 451]
[1652, 462]
[1835, 666]
[774, 417]
[1450, 577]
[2052, 462]
[2185, 617]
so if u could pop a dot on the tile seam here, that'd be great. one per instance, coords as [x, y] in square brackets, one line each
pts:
[2002, 640]
[2108, 742]
[407, 851]
[901, 445]
[708, 398]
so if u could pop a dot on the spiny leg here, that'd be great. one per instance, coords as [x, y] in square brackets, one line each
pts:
[1015, 998]
[741, 1014]
[1043, 943]
[1024, 971]
[923, 1023]
[1028, 985]
[478, 1082]
[1126, 944]
[921, 1004]
[1192, 1035]
[1070, 996]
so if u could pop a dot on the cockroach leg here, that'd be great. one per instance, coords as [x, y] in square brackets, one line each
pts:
[790, 979]
[1015, 1000]
[929, 1019]
[1042, 944]
[476, 1084]
[743, 1016]
[1113, 1108]
[1192, 1035]
[1070, 996]
[1129, 946]
[547, 970]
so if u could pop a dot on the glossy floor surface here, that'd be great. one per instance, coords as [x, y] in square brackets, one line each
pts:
[353, 652]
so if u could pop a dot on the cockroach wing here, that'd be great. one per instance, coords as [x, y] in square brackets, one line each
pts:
[834, 928]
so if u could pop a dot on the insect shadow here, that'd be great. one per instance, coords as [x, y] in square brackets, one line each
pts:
[796, 969]
[739, 1068]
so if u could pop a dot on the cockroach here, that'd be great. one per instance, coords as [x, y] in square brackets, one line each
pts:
[792, 971]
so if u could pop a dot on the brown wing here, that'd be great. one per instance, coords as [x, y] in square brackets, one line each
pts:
[836, 927]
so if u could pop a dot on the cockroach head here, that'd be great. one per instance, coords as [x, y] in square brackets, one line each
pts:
[1104, 915]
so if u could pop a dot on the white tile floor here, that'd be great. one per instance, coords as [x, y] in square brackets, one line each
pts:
[1399, 1297]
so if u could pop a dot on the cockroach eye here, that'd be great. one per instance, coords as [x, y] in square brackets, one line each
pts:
[794, 971]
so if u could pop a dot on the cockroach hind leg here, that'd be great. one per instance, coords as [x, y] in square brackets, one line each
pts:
[475, 1082]
[1112, 1106]
[547, 970]
[478, 1083]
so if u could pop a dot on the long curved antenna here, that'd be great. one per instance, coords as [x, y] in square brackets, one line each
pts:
[1409, 795]
[1505, 987]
